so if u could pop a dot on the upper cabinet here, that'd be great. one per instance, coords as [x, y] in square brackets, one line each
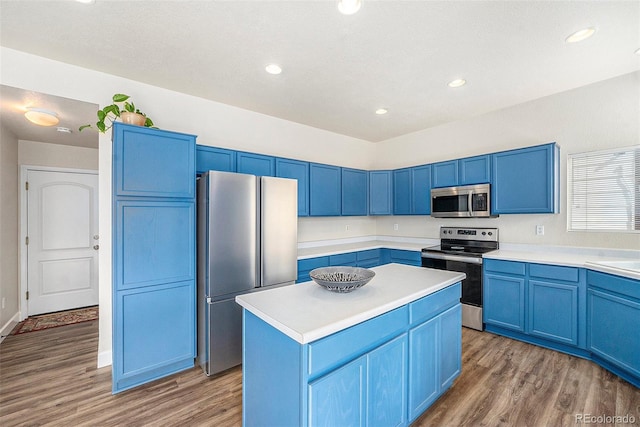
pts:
[214, 159]
[526, 180]
[474, 170]
[295, 169]
[380, 190]
[467, 171]
[412, 191]
[153, 163]
[255, 164]
[354, 192]
[445, 174]
[325, 187]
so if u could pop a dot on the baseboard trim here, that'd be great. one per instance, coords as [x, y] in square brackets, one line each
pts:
[8, 327]
[104, 359]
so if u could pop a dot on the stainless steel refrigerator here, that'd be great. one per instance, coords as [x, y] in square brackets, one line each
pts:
[247, 241]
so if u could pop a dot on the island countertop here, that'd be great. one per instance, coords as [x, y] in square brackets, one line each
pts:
[307, 312]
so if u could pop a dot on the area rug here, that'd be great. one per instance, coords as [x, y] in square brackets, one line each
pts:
[53, 320]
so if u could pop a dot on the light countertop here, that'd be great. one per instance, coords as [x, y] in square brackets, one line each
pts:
[307, 312]
[340, 248]
[621, 263]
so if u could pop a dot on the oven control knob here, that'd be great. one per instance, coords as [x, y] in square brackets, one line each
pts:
[484, 233]
[490, 233]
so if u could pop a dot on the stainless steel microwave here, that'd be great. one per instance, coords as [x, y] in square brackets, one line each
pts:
[469, 201]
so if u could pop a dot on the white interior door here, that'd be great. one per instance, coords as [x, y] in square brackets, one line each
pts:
[62, 249]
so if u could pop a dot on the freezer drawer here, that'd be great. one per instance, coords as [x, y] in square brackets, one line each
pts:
[223, 349]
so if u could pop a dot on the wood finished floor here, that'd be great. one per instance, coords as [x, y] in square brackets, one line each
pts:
[49, 378]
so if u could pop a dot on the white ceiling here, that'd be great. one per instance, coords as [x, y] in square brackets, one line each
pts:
[339, 69]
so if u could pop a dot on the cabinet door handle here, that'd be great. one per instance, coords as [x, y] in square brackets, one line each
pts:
[96, 247]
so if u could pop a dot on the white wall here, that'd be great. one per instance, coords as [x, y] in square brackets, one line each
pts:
[595, 117]
[34, 153]
[9, 278]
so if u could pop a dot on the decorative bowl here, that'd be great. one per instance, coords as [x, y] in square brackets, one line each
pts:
[341, 279]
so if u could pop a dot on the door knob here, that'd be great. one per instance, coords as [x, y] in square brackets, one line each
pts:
[96, 247]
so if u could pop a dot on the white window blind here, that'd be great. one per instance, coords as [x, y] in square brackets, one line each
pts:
[604, 190]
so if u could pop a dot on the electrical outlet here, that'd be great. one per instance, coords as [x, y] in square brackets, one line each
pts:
[347, 228]
[539, 230]
[395, 227]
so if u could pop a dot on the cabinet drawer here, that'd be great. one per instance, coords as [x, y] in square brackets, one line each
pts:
[368, 254]
[429, 306]
[509, 267]
[405, 257]
[343, 259]
[556, 272]
[343, 346]
[620, 285]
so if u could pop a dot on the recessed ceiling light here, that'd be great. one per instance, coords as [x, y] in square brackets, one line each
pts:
[273, 69]
[41, 117]
[63, 129]
[86, 1]
[349, 7]
[580, 35]
[381, 111]
[637, 51]
[457, 83]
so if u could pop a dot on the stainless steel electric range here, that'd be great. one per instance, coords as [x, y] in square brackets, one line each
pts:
[461, 250]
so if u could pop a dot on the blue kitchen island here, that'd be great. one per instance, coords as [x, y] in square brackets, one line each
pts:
[378, 356]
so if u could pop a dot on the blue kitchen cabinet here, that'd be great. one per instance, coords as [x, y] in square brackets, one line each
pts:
[255, 164]
[435, 358]
[354, 192]
[153, 270]
[467, 171]
[402, 191]
[526, 180]
[555, 295]
[613, 316]
[306, 265]
[369, 258]
[400, 256]
[421, 190]
[380, 193]
[445, 174]
[363, 375]
[348, 259]
[325, 190]
[214, 159]
[295, 169]
[537, 303]
[371, 390]
[340, 398]
[152, 163]
[474, 170]
[504, 294]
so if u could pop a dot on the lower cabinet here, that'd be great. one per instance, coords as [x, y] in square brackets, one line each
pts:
[544, 303]
[432, 368]
[385, 371]
[371, 390]
[613, 316]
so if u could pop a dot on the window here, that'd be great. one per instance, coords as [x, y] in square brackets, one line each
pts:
[604, 190]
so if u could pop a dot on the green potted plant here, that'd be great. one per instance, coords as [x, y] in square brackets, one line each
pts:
[123, 109]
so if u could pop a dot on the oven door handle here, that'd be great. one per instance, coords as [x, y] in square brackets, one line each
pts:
[445, 257]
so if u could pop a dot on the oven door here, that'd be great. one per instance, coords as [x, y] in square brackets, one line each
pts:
[471, 266]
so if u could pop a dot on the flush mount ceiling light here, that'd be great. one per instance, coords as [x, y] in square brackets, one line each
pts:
[457, 83]
[580, 35]
[41, 117]
[273, 69]
[381, 111]
[349, 7]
